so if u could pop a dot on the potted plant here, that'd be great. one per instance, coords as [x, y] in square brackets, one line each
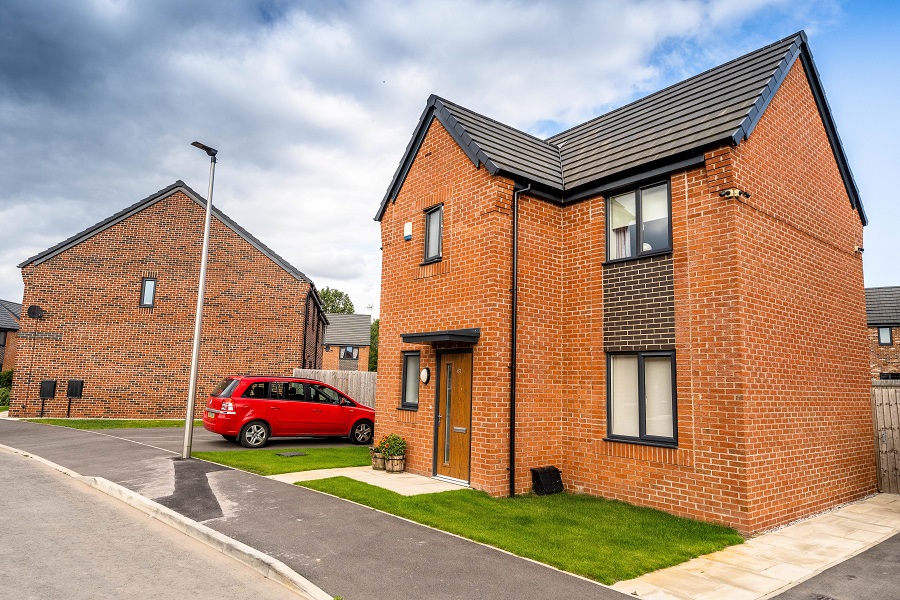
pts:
[377, 456]
[393, 447]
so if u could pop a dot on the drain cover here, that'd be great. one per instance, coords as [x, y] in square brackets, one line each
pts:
[291, 454]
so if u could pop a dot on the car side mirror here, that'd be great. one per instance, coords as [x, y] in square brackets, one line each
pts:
[345, 402]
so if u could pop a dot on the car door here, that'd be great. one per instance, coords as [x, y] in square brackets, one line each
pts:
[327, 416]
[288, 409]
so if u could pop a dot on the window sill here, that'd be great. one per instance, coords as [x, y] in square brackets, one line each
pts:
[431, 261]
[639, 442]
[409, 408]
[616, 261]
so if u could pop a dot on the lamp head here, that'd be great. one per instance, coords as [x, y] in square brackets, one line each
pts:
[209, 151]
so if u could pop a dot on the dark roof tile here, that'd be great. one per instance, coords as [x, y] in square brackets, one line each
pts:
[883, 306]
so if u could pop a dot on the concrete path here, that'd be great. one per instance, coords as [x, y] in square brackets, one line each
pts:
[63, 539]
[405, 484]
[773, 562]
[345, 549]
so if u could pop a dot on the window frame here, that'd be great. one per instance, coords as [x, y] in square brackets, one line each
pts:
[354, 353]
[890, 341]
[643, 438]
[144, 281]
[431, 210]
[639, 243]
[404, 404]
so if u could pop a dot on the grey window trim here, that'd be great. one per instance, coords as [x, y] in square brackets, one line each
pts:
[403, 403]
[144, 281]
[890, 331]
[437, 208]
[639, 253]
[643, 438]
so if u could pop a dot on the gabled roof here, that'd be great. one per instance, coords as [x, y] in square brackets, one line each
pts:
[10, 315]
[348, 330]
[883, 306]
[150, 201]
[665, 131]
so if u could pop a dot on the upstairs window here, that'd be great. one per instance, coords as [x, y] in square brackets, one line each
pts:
[349, 353]
[434, 232]
[148, 292]
[885, 337]
[639, 223]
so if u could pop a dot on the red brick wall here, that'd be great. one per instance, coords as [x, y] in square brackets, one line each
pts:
[331, 358]
[884, 359]
[135, 361]
[774, 421]
[9, 353]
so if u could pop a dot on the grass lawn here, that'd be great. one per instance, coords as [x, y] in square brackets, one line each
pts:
[604, 540]
[114, 423]
[267, 462]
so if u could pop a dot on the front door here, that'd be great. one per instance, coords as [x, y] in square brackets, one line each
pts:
[454, 416]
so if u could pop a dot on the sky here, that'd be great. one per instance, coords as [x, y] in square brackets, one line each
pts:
[311, 104]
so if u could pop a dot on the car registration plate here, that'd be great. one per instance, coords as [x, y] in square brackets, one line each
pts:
[210, 414]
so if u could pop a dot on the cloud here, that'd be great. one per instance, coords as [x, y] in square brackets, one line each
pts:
[311, 105]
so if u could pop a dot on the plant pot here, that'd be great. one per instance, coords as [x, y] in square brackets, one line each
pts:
[377, 461]
[394, 464]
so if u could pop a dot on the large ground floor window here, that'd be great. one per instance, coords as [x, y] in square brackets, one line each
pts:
[641, 397]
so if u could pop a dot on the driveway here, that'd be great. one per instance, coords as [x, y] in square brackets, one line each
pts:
[346, 549]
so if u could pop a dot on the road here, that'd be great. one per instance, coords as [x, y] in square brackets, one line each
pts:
[172, 439]
[60, 538]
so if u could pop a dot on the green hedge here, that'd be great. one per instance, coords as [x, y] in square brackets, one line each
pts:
[4, 396]
[6, 379]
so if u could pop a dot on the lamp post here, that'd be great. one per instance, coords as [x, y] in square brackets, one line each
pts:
[198, 319]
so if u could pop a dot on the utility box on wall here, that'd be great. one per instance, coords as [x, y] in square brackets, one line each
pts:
[75, 388]
[48, 388]
[546, 480]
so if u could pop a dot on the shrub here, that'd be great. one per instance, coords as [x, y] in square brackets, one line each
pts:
[4, 396]
[6, 379]
[392, 445]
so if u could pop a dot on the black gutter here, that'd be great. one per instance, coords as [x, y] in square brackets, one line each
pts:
[514, 326]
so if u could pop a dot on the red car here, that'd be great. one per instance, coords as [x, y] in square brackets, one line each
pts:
[254, 408]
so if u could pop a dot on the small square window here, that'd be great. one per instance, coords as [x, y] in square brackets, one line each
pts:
[638, 223]
[885, 336]
[410, 394]
[148, 292]
[434, 233]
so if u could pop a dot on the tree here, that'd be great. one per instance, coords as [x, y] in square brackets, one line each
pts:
[336, 301]
[373, 346]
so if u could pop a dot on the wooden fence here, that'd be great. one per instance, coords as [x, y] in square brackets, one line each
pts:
[359, 385]
[886, 412]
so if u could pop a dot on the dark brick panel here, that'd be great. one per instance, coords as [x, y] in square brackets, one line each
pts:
[639, 305]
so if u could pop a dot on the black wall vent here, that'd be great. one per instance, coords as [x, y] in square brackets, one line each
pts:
[546, 480]
[75, 388]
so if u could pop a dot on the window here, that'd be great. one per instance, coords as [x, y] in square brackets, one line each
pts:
[410, 395]
[641, 397]
[148, 292]
[889, 376]
[294, 391]
[256, 390]
[2, 338]
[434, 231]
[648, 206]
[323, 395]
[885, 337]
[349, 353]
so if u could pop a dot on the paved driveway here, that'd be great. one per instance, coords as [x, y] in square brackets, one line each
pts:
[346, 549]
[205, 441]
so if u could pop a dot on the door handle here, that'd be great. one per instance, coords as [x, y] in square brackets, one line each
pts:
[273, 408]
[459, 430]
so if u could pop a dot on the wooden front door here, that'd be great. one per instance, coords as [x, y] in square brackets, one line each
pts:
[454, 416]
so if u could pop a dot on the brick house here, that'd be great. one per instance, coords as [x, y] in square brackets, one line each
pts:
[119, 300]
[883, 319]
[666, 302]
[10, 314]
[347, 341]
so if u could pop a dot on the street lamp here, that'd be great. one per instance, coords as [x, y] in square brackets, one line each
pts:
[198, 319]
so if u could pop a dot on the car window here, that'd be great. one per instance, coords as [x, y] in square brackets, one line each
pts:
[276, 390]
[294, 391]
[256, 390]
[225, 388]
[323, 395]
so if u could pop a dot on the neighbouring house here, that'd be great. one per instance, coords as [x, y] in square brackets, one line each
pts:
[665, 302]
[10, 314]
[119, 300]
[347, 340]
[883, 317]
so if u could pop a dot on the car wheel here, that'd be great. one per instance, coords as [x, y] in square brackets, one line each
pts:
[254, 434]
[230, 438]
[362, 433]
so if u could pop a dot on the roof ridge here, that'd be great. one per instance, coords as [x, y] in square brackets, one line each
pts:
[678, 83]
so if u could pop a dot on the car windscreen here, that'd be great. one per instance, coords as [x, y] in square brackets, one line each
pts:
[225, 387]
